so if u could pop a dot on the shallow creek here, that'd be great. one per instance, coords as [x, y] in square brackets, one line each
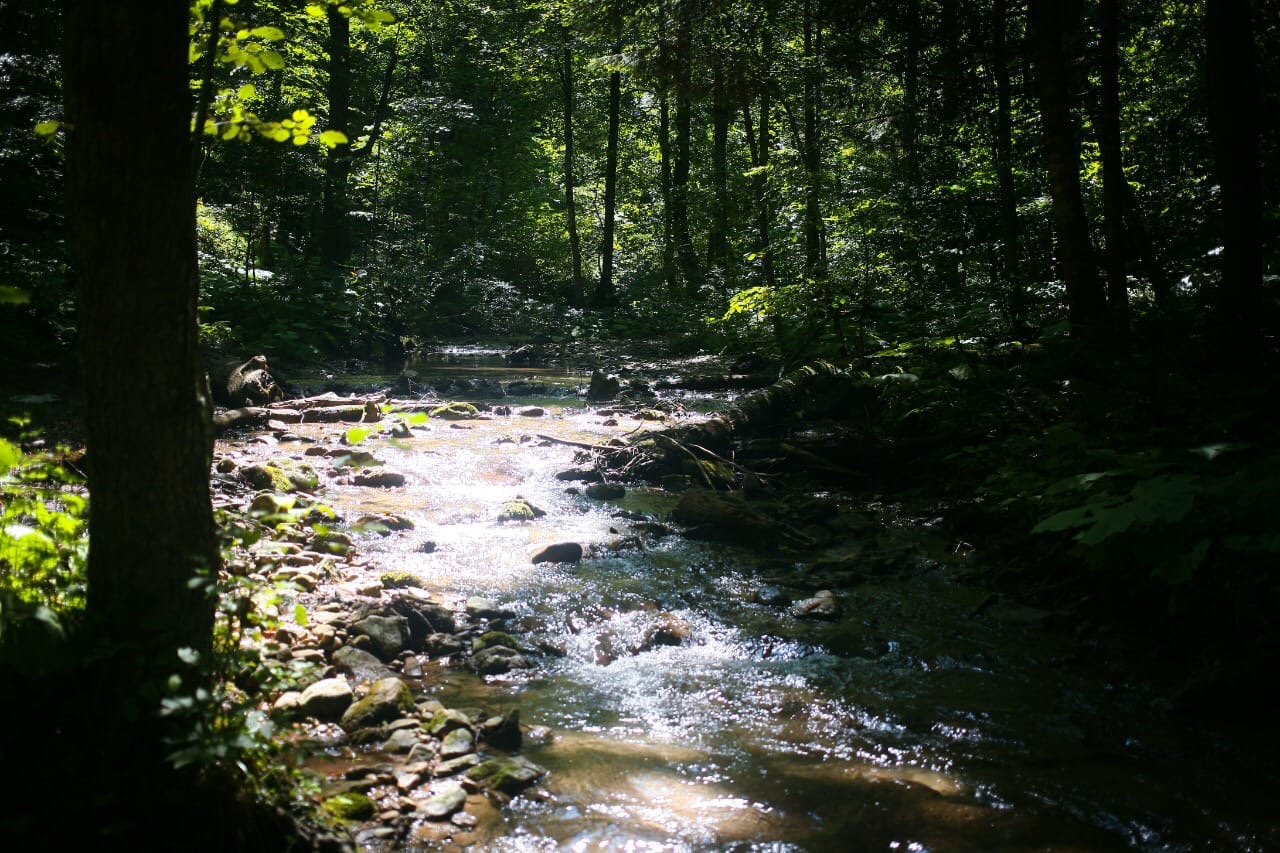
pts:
[908, 724]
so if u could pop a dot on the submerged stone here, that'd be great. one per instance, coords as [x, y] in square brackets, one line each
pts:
[455, 411]
[561, 552]
[508, 774]
[823, 605]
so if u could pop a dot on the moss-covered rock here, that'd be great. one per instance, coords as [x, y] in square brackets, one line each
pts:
[508, 774]
[282, 475]
[519, 510]
[388, 699]
[400, 579]
[493, 638]
[455, 411]
[351, 806]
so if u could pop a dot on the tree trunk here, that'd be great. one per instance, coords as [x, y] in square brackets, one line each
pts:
[335, 239]
[604, 288]
[1231, 74]
[680, 173]
[147, 408]
[911, 94]
[577, 286]
[1008, 203]
[718, 238]
[1048, 24]
[814, 251]
[1113, 179]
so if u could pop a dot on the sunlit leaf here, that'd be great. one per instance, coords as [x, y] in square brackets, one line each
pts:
[47, 128]
[333, 138]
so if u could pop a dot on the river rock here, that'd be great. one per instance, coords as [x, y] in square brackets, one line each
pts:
[390, 634]
[508, 774]
[497, 660]
[378, 479]
[823, 605]
[352, 805]
[327, 699]
[448, 799]
[485, 608]
[561, 552]
[281, 475]
[520, 510]
[503, 732]
[668, 630]
[247, 384]
[443, 645]
[446, 720]
[580, 475]
[455, 765]
[387, 699]
[457, 742]
[401, 740]
[425, 618]
[361, 664]
[605, 491]
[603, 386]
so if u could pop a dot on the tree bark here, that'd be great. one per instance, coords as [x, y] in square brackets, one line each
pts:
[680, 173]
[335, 238]
[577, 286]
[815, 250]
[604, 287]
[718, 238]
[1231, 74]
[1008, 198]
[147, 408]
[1113, 179]
[1049, 22]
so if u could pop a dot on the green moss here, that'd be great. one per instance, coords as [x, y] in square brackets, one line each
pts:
[400, 579]
[493, 638]
[284, 476]
[519, 510]
[455, 411]
[351, 806]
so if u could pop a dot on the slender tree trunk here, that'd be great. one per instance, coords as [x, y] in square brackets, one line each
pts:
[718, 239]
[1113, 179]
[680, 173]
[668, 203]
[815, 251]
[1231, 74]
[911, 94]
[604, 287]
[1009, 228]
[1140, 240]
[760, 169]
[577, 286]
[335, 241]
[1049, 22]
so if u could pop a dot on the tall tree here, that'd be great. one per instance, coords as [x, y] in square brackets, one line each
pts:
[604, 287]
[564, 67]
[815, 261]
[680, 169]
[1113, 179]
[1231, 73]
[1008, 198]
[1052, 25]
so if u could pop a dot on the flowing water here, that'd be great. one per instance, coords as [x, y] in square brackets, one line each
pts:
[906, 725]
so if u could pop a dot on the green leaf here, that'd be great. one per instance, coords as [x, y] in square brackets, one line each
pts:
[47, 128]
[333, 138]
[10, 295]
[300, 615]
[248, 90]
[355, 435]
[10, 455]
[272, 60]
[268, 33]
[188, 656]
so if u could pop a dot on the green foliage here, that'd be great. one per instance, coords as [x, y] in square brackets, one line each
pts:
[43, 553]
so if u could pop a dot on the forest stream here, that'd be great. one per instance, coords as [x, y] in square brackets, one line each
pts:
[679, 703]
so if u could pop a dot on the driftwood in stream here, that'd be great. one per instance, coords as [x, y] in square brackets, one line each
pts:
[704, 449]
[326, 408]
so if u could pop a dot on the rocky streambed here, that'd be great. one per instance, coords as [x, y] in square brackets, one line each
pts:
[504, 647]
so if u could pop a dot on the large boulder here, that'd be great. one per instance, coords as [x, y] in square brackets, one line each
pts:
[390, 634]
[508, 774]
[603, 386]
[327, 699]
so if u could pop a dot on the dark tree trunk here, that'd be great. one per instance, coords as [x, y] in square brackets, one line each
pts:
[814, 250]
[911, 94]
[335, 238]
[668, 209]
[1231, 74]
[1009, 228]
[1113, 179]
[718, 239]
[604, 287]
[1049, 23]
[577, 286]
[680, 173]
[147, 410]
[760, 186]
